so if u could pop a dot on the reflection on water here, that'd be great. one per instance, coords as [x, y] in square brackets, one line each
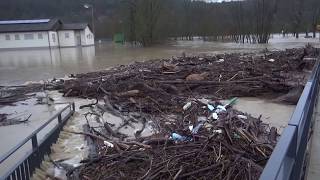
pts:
[19, 66]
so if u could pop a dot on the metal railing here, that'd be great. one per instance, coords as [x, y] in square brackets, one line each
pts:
[24, 167]
[288, 158]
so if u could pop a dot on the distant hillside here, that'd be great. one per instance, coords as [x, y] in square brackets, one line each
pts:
[176, 16]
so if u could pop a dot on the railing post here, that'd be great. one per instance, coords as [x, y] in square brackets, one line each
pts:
[59, 118]
[73, 107]
[34, 141]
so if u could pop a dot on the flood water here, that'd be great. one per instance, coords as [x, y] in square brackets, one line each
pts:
[20, 66]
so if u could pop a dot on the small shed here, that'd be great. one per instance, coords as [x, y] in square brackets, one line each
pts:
[75, 34]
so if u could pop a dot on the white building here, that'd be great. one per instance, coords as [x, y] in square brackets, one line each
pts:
[44, 33]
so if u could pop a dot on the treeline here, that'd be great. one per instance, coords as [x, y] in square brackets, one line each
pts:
[147, 22]
[252, 21]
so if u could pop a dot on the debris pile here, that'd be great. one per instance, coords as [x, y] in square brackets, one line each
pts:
[6, 120]
[228, 145]
[196, 135]
[158, 82]
[11, 94]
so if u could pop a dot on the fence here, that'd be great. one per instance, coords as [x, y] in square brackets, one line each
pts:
[288, 157]
[24, 167]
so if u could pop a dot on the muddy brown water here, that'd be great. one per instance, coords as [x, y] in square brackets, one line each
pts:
[20, 66]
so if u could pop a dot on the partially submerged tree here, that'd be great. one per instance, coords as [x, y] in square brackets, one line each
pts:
[315, 16]
[264, 14]
[297, 16]
[252, 21]
[141, 20]
[130, 11]
[148, 13]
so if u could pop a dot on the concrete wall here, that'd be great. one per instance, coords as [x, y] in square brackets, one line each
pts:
[87, 37]
[24, 40]
[67, 38]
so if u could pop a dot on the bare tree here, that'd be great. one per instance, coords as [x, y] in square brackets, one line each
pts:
[315, 16]
[265, 11]
[130, 21]
[187, 7]
[141, 20]
[297, 16]
[148, 13]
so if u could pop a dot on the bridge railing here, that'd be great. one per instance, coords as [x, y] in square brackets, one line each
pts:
[24, 167]
[288, 158]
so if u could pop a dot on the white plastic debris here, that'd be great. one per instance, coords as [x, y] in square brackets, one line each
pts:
[108, 144]
[178, 137]
[187, 106]
[197, 128]
[220, 109]
[220, 60]
[210, 107]
[242, 116]
[201, 59]
[215, 116]
[271, 60]
[219, 131]
[191, 128]
[144, 70]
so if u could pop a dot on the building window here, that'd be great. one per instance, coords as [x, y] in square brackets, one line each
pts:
[40, 36]
[66, 35]
[28, 36]
[17, 37]
[7, 37]
[89, 36]
[53, 38]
